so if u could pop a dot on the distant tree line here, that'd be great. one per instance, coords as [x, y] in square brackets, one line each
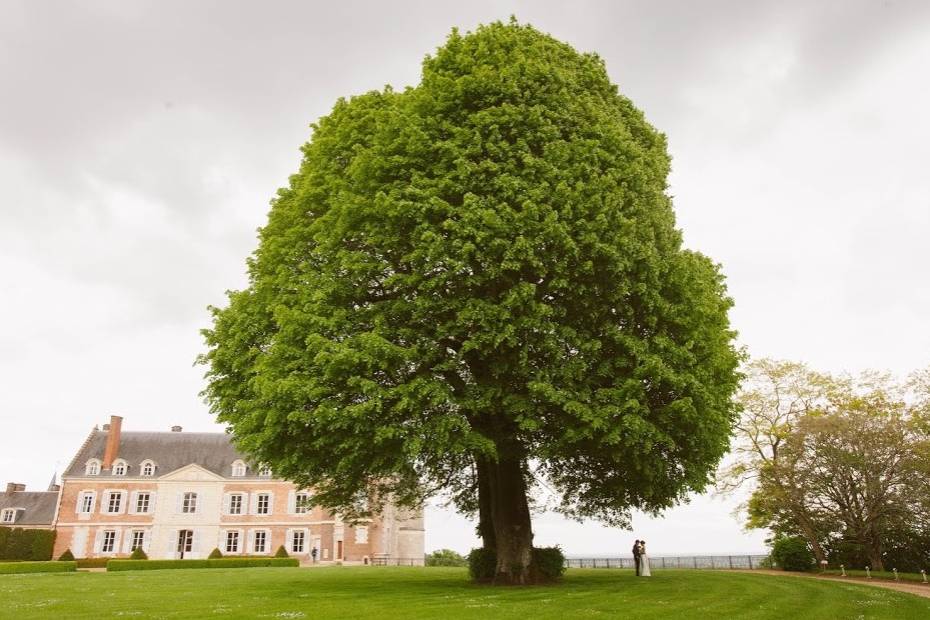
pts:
[842, 461]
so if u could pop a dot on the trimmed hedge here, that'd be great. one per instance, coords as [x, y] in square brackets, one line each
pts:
[92, 562]
[14, 568]
[548, 561]
[17, 543]
[124, 565]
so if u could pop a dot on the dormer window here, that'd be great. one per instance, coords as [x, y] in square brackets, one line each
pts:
[119, 468]
[8, 515]
[147, 468]
[92, 468]
[264, 471]
[238, 469]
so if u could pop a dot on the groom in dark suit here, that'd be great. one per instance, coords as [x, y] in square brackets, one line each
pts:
[636, 553]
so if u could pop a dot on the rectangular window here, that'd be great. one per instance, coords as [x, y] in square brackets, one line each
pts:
[361, 534]
[189, 503]
[264, 504]
[138, 537]
[232, 542]
[8, 516]
[109, 542]
[235, 504]
[302, 503]
[142, 502]
[87, 502]
[297, 542]
[115, 499]
[261, 541]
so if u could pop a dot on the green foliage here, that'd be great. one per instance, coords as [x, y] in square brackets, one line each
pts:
[281, 552]
[486, 261]
[139, 554]
[92, 562]
[127, 565]
[215, 554]
[13, 568]
[67, 556]
[792, 553]
[26, 544]
[550, 562]
[482, 564]
[445, 557]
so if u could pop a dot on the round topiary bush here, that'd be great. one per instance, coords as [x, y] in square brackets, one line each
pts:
[138, 554]
[67, 556]
[792, 553]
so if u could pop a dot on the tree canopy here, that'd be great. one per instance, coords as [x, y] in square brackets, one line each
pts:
[476, 284]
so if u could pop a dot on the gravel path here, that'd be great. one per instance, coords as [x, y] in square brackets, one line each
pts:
[901, 586]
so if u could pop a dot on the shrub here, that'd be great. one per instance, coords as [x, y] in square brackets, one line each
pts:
[10, 568]
[550, 562]
[281, 552]
[215, 554]
[792, 553]
[445, 557]
[92, 562]
[67, 556]
[127, 565]
[482, 564]
[138, 554]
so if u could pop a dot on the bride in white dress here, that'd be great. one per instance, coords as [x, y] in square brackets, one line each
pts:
[644, 561]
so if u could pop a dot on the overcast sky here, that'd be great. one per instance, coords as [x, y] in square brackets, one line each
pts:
[140, 143]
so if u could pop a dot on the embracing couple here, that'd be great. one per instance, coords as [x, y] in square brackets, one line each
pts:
[641, 559]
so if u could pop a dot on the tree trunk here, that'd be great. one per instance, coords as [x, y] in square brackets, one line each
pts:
[875, 555]
[485, 519]
[510, 515]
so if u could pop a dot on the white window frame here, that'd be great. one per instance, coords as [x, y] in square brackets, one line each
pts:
[267, 541]
[147, 464]
[258, 503]
[189, 502]
[292, 535]
[92, 467]
[237, 536]
[134, 503]
[302, 508]
[108, 499]
[361, 535]
[120, 468]
[264, 471]
[238, 469]
[7, 516]
[140, 534]
[243, 504]
[103, 542]
[82, 498]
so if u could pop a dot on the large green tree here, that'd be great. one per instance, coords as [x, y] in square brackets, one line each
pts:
[474, 285]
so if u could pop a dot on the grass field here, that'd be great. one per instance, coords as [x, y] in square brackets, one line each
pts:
[409, 593]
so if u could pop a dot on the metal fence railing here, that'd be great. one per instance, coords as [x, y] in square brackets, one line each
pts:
[692, 561]
[398, 561]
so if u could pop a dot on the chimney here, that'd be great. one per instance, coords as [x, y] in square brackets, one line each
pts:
[13, 487]
[113, 433]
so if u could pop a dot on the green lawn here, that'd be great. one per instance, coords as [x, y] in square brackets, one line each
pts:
[408, 593]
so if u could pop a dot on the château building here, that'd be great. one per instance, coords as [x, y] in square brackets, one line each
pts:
[180, 495]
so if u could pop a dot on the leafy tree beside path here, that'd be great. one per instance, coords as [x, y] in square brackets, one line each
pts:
[476, 285]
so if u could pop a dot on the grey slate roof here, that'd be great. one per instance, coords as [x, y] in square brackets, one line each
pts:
[169, 451]
[38, 507]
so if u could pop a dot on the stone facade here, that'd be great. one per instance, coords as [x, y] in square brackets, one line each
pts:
[183, 494]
